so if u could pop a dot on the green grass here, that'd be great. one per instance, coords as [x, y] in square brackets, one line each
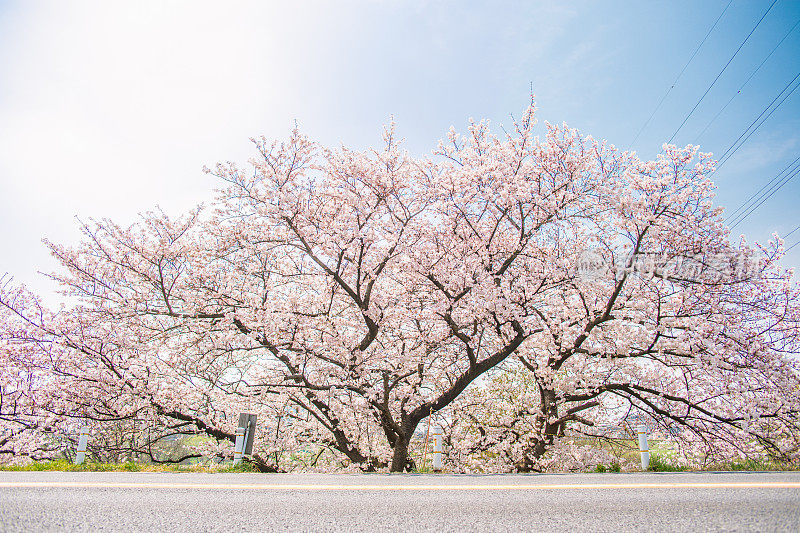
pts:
[661, 463]
[754, 465]
[749, 465]
[613, 467]
[241, 467]
[62, 465]
[662, 459]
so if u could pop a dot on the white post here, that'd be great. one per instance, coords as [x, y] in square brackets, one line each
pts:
[644, 450]
[83, 441]
[238, 447]
[437, 448]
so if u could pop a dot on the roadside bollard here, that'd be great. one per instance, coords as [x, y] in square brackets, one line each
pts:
[247, 421]
[245, 433]
[83, 441]
[437, 448]
[238, 447]
[644, 450]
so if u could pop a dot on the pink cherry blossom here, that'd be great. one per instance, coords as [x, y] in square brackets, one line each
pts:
[523, 291]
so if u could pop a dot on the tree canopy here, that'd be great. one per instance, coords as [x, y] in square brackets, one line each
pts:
[517, 288]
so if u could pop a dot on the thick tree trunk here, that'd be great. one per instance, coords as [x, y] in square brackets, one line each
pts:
[260, 464]
[531, 456]
[549, 431]
[400, 460]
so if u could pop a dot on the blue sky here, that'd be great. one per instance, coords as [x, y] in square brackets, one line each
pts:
[108, 109]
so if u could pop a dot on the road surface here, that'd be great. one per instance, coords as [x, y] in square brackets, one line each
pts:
[83, 501]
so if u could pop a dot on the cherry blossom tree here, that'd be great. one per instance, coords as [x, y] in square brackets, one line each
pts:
[347, 296]
[663, 319]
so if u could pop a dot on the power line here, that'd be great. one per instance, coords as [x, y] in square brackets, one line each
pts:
[746, 81]
[759, 204]
[795, 244]
[723, 70]
[775, 189]
[795, 229]
[658, 106]
[770, 182]
[726, 156]
[755, 202]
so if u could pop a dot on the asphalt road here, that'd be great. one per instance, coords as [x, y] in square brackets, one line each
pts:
[59, 501]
